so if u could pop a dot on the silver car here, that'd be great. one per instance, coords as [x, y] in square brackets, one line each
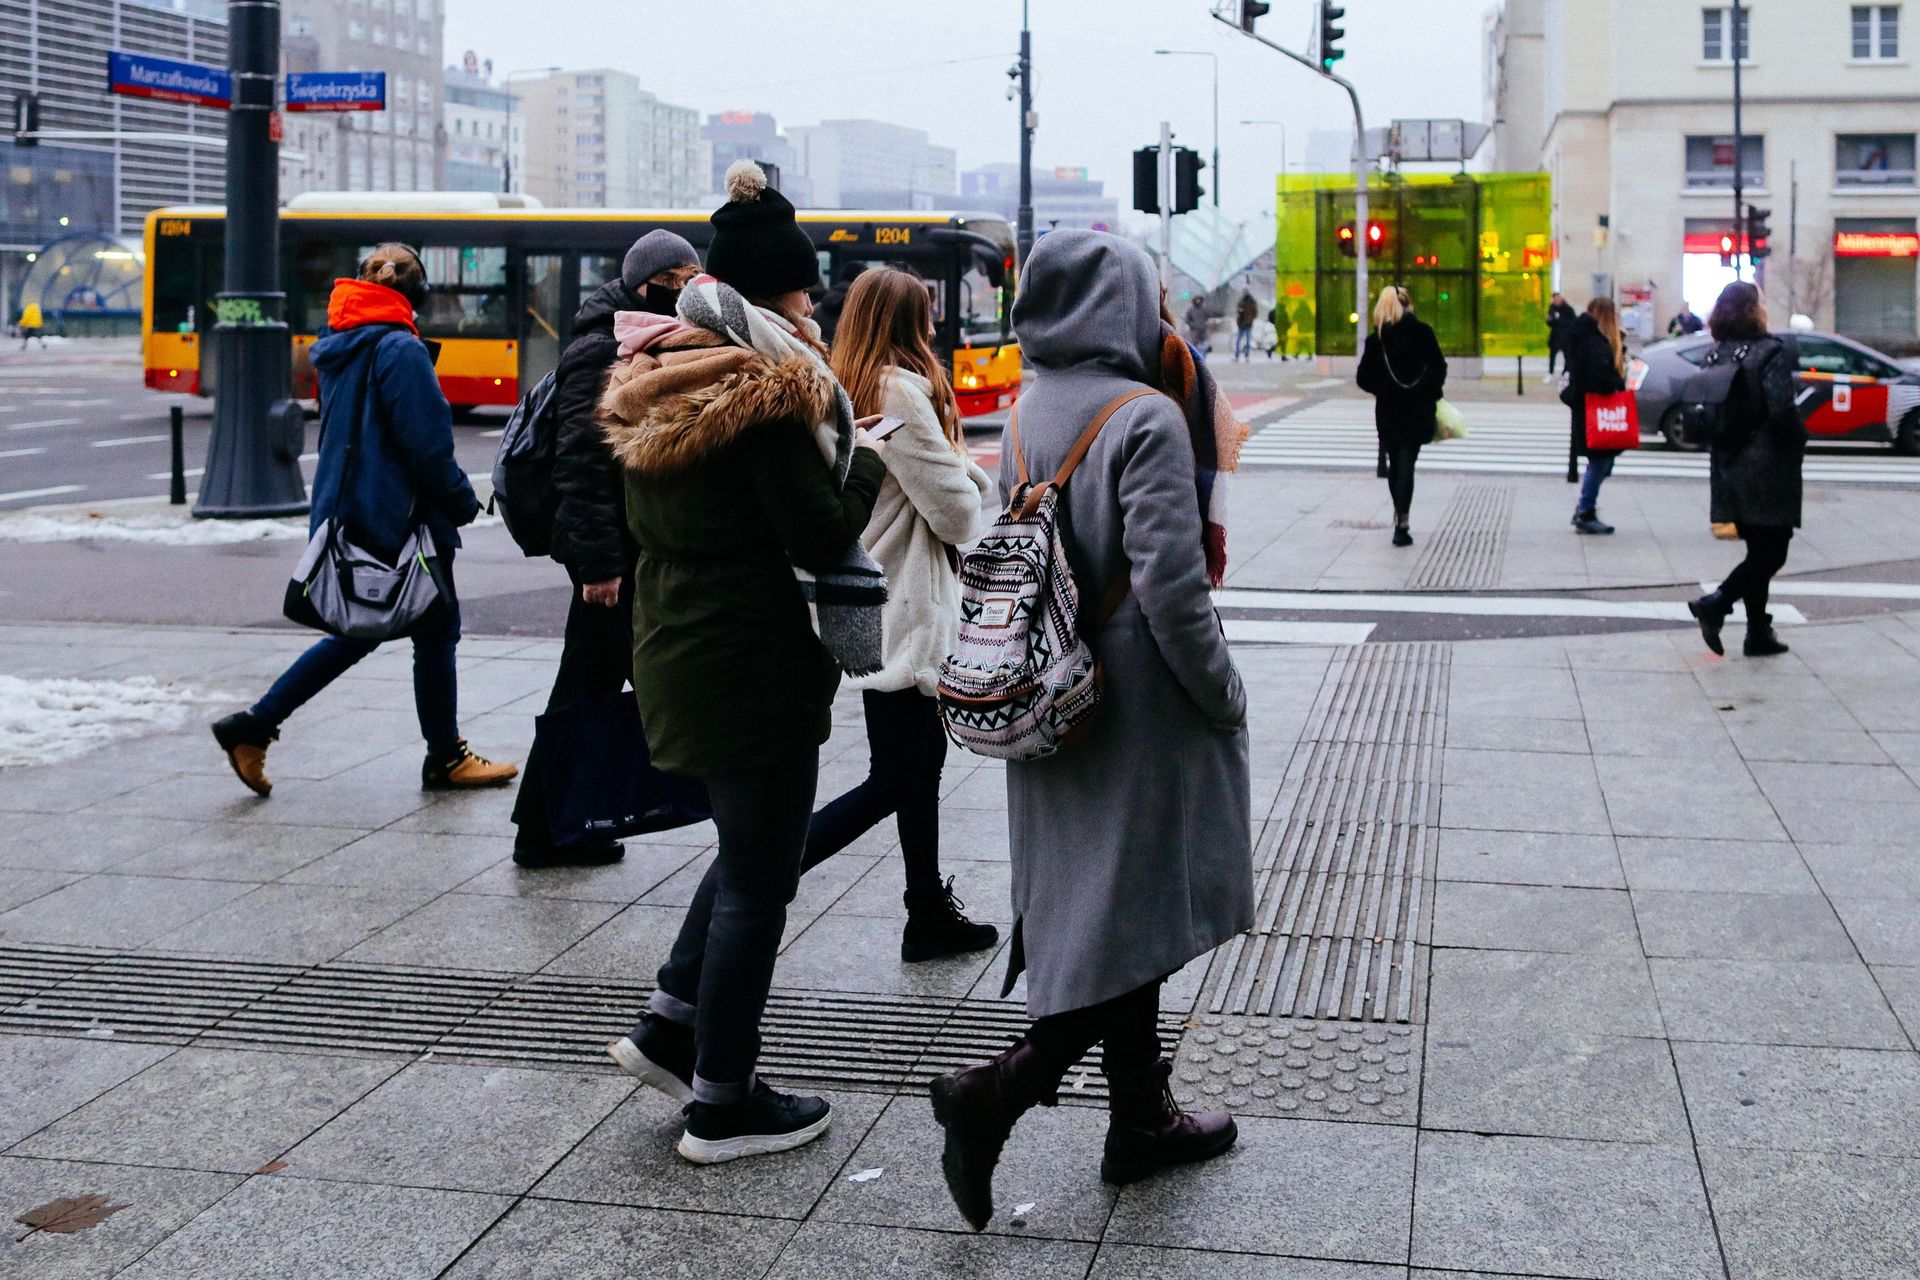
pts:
[1846, 391]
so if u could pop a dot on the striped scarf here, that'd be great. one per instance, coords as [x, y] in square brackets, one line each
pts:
[1217, 437]
[845, 602]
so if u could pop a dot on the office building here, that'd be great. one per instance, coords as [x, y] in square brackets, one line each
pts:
[1062, 197]
[477, 118]
[756, 136]
[596, 139]
[399, 149]
[869, 164]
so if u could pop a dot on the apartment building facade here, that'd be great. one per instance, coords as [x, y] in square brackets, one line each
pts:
[596, 139]
[1635, 124]
[402, 148]
[484, 131]
[854, 164]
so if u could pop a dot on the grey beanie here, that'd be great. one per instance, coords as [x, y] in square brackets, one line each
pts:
[653, 253]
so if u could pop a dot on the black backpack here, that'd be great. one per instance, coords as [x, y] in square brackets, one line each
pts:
[1709, 408]
[523, 493]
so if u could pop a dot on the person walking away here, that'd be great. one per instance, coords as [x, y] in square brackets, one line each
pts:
[590, 537]
[748, 483]
[1560, 315]
[1245, 312]
[834, 300]
[930, 501]
[1198, 320]
[1130, 849]
[1402, 368]
[1756, 461]
[1282, 329]
[32, 322]
[1685, 323]
[1596, 366]
[379, 396]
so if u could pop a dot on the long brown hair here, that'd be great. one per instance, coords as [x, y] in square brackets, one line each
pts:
[1739, 312]
[1607, 316]
[886, 325]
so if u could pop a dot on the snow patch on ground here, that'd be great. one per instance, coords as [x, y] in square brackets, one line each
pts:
[156, 530]
[46, 721]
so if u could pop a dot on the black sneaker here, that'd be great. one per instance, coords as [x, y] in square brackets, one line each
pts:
[1402, 537]
[535, 856]
[658, 1053]
[936, 927]
[766, 1122]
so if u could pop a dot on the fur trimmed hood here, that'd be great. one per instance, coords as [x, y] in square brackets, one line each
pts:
[678, 403]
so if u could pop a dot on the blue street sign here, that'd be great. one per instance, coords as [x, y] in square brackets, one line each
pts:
[336, 91]
[141, 75]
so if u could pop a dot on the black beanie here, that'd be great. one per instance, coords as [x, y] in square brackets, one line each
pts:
[757, 246]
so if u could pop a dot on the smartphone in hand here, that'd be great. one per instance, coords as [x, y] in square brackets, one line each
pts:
[886, 427]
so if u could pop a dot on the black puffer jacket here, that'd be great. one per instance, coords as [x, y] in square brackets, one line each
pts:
[590, 524]
[1403, 369]
[1590, 371]
[1756, 462]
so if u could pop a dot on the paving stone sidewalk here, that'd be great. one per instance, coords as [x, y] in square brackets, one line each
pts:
[1657, 925]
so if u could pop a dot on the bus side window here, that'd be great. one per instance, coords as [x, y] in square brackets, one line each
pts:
[316, 265]
[466, 292]
[596, 269]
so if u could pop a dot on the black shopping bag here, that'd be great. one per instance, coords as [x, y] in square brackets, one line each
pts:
[600, 781]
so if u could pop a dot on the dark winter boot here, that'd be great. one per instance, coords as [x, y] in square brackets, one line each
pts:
[977, 1108]
[936, 927]
[1711, 609]
[1761, 642]
[1402, 537]
[1149, 1132]
[1589, 522]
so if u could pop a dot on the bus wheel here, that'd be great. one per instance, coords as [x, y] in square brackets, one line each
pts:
[1907, 439]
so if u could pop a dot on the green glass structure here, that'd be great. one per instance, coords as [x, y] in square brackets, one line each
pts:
[1475, 251]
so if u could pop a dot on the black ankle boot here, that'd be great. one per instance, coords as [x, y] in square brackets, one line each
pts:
[1761, 642]
[977, 1108]
[1711, 610]
[1589, 522]
[1149, 1132]
[936, 927]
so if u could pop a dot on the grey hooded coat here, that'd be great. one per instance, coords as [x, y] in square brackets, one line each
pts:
[1132, 850]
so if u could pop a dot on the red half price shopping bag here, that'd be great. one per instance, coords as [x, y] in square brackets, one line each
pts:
[1613, 421]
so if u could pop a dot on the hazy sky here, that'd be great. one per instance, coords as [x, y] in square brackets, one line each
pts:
[941, 66]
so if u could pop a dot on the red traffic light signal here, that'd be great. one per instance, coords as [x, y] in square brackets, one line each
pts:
[1376, 239]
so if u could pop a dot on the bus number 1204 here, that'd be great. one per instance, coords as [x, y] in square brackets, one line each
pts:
[892, 235]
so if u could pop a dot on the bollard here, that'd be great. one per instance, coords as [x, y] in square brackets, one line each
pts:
[177, 427]
[1519, 375]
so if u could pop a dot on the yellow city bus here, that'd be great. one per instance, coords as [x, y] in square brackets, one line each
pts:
[507, 277]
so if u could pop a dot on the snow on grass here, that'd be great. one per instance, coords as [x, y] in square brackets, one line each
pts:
[73, 525]
[45, 721]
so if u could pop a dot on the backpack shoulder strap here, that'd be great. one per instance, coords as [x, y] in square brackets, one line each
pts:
[1075, 456]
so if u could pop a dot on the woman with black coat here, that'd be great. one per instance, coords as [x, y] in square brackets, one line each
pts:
[1757, 457]
[1402, 368]
[1596, 365]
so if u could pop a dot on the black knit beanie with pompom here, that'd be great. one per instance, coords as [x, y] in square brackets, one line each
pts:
[757, 246]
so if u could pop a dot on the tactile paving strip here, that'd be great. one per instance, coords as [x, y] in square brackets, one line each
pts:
[1468, 548]
[1346, 874]
[1300, 1067]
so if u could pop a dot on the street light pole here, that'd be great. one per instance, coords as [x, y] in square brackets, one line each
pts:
[1023, 217]
[506, 152]
[1206, 53]
[1739, 173]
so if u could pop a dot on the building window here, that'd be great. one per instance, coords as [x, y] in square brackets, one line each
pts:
[379, 35]
[1710, 161]
[357, 30]
[1874, 160]
[1715, 23]
[1876, 32]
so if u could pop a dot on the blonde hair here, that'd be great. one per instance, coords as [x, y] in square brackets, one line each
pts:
[1392, 307]
[1607, 316]
[399, 268]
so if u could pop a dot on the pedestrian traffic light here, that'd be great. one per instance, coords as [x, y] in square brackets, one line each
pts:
[1726, 250]
[1146, 179]
[1758, 232]
[1330, 35]
[1251, 11]
[1343, 236]
[26, 120]
[1376, 239]
[1187, 190]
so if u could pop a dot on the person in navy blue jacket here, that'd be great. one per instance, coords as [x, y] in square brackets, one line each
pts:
[378, 389]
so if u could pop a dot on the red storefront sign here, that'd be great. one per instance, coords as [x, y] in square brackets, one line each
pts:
[1876, 244]
[1710, 242]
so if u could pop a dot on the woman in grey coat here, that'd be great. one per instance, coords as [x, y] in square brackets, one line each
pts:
[1131, 851]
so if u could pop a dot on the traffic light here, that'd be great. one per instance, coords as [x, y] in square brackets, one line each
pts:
[1343, 235]
[1187, 190]
[1727, 243]
[1330, 35]
[1251, 11]
[26, 120]
[1758, 232]
[1376, 239]
[1146, 179]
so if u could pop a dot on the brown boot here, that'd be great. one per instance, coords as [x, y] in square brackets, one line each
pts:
[1149, 1132]
[464, 771]
[977, 1107]
[245, 740]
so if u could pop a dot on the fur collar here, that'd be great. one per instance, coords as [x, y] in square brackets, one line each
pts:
[679, 403]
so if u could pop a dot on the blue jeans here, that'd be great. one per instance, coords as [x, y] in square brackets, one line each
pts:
[1243, 343]
[1599, 467]
[435, 691]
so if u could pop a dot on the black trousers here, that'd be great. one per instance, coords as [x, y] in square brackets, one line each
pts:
[1401, 457]
[596, 657]
[1751, 578]
[908, 747]
[1127, 1029]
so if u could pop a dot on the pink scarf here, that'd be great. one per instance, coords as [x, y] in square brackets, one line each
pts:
[643, 330]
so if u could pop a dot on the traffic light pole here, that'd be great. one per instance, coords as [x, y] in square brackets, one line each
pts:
[253, 461]
[1739, 161]
[1166, 205]
[1023, 217]
[1361, 306]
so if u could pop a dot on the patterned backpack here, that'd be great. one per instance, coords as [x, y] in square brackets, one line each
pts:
[1021, 682]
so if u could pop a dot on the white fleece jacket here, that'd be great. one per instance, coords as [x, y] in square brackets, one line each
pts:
[932, 498]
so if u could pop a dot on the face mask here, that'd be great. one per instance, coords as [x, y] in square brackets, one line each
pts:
[660, 300]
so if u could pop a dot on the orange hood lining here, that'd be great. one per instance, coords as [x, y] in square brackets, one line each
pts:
[355, 303]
